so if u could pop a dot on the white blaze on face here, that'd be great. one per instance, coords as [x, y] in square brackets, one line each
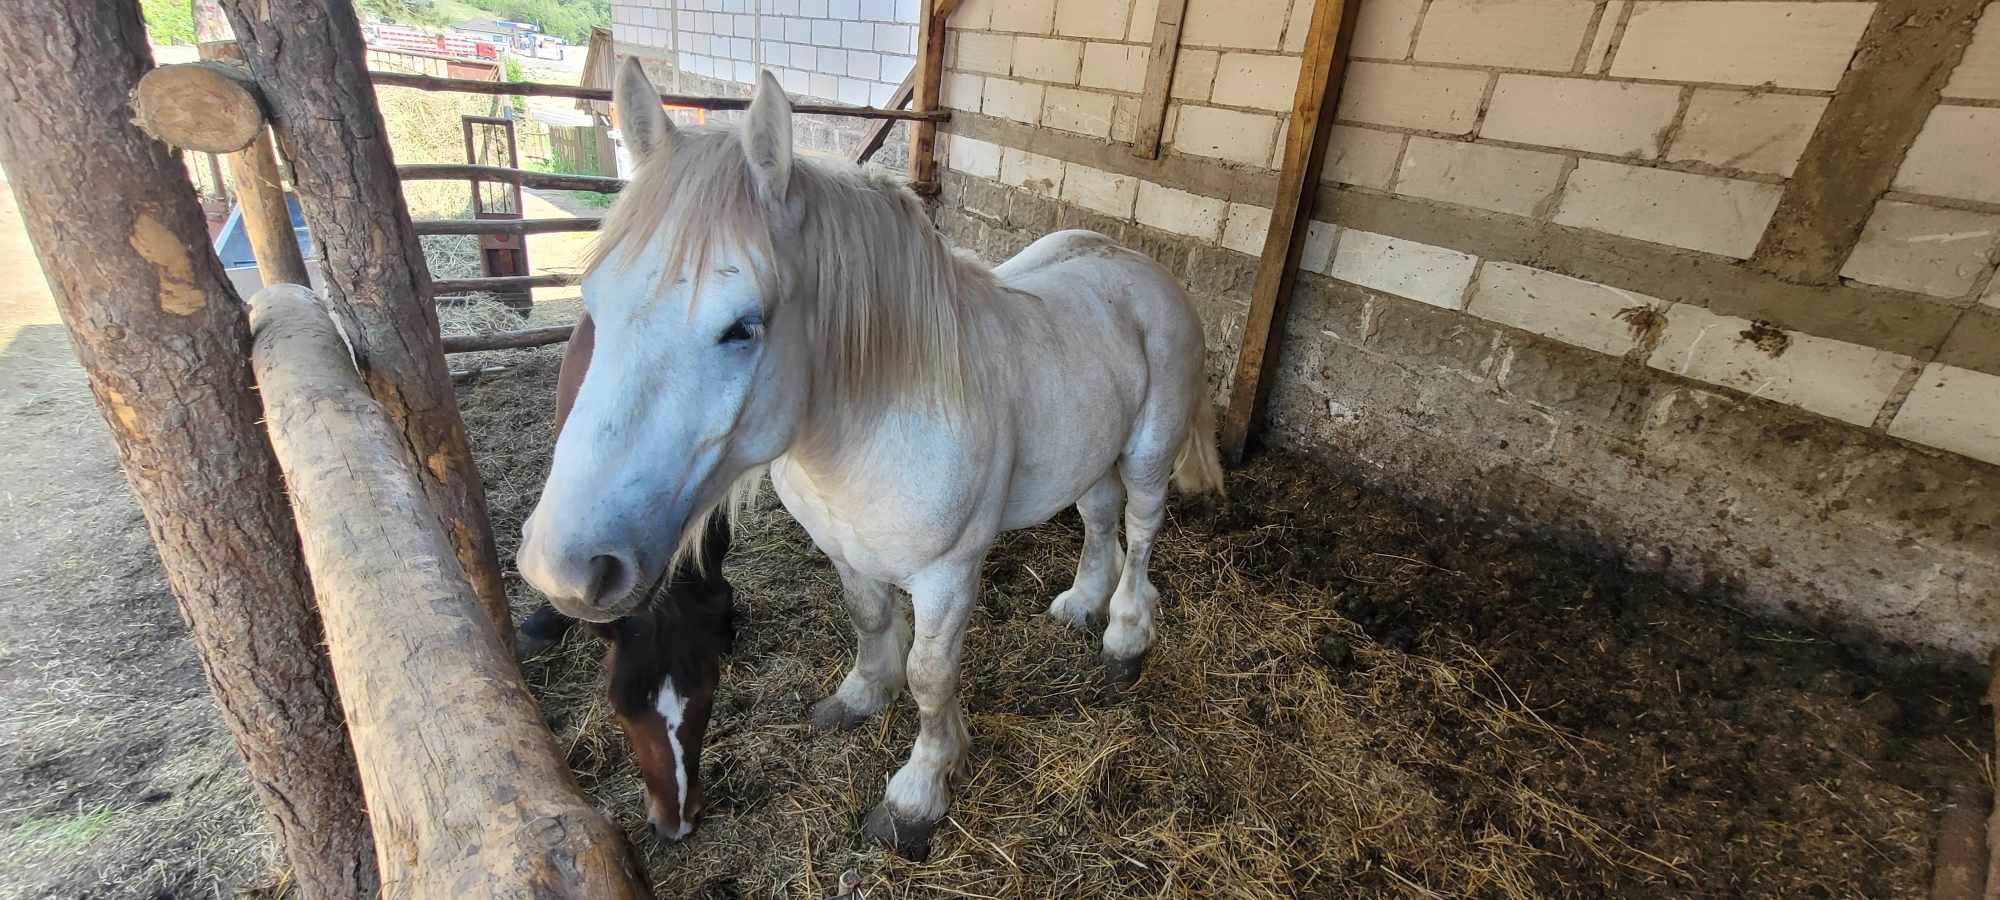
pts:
[673, 709]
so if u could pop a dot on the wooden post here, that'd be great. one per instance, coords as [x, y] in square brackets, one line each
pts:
[879, 132]
[930, 81]
[213, 106]
[468, 793]
[1320, 70]
[311, 64]
[164, 343]
[1160, 78]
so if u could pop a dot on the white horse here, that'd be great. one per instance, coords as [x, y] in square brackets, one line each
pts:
[760, 312]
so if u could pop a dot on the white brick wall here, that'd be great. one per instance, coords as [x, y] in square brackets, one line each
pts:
[1256, 80]
[1845, 381]
[1362, 156]
[1246, 228]
[1519, 34]
[1237, 24]
[1978, 74]
[1180, 212]
[1953, 408]
[1434, 275]
[1748, 131]
[1747, 42]
[1098, 190]
[1606, 117]
[1225, 134]
[852, 51]
[1956, 155]
[1512, 181]
[1934, 251]
[1699, 212]
[1415, 97]
[1571, 310]
[1385, 28]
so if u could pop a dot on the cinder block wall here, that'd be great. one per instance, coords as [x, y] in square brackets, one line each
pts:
[836, 51]
[1709, 285]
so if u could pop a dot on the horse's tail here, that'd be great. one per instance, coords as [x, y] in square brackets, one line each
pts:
[1199, 467]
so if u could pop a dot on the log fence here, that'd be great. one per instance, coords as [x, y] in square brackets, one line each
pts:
[331, 476]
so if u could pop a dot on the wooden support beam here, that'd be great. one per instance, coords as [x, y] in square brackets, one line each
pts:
[542, 89]
[507, 340]
[506, 226]
[259, 185]
[311, 63]
[929, 75]
[502, 283]
[464, 784]
[1159, 78]
[550, 181]
[1321, 68]
[163, 341]
[879, 132]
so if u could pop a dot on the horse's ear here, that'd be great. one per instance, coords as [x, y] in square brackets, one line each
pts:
[640, 118]
[767, 138]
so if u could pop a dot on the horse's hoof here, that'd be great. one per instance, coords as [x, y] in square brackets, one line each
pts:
[1087, 622]
[909, 839]
[1123, 673]
[533, 645]
[831, 714]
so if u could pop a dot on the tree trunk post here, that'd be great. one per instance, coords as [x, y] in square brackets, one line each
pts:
[164, 342]
[311, 63]
[469, 795]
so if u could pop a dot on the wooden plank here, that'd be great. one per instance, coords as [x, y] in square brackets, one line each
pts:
[163, 341]
[1159, 78]
[1321, 68]
[541, 180]
[464, 783]
[507, 340]
[506, 226]
[879, 132]
[543, 89]
[312, 66]
[924, 97]
[502, 283]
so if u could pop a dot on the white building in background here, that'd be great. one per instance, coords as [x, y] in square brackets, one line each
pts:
[847, 51]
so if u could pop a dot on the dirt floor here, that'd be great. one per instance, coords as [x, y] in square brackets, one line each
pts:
[1350, 697]
[117, 778]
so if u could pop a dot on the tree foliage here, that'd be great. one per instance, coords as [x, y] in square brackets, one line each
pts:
[168, 21]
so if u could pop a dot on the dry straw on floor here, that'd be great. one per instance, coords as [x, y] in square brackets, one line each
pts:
[1349, 698]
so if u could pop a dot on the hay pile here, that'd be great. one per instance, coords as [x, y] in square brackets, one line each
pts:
[1349, 697]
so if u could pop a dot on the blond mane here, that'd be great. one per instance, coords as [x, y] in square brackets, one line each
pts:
[885, 299]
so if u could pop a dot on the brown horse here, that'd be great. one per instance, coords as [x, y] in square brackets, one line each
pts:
[664, 659]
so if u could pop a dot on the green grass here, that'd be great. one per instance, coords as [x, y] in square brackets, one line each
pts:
[55, 834]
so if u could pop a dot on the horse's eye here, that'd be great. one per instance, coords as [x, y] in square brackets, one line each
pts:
[748, 328]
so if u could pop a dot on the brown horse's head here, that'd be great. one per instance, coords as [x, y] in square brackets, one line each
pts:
[664, 663]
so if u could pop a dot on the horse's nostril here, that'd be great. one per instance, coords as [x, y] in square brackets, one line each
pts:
[607, 573]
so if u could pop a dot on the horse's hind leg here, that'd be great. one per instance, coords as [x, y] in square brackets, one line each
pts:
[882, 641]
[1097, 569]
[1129, 632]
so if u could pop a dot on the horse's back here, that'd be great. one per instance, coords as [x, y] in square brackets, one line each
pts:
[1089, 271]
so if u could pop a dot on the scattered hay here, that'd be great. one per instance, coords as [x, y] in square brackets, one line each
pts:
[1350, 697]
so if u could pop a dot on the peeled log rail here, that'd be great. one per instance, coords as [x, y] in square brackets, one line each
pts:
[544, 180]
[544, 89]
[507, 340]
[501, 283]
[467, 792]
[505, 226]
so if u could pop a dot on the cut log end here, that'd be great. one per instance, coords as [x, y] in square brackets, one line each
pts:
[204, 106]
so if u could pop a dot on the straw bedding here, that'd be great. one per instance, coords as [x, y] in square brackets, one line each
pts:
[1351, 696]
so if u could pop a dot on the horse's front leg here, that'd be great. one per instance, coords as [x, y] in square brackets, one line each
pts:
[919, 793]
[881, 641]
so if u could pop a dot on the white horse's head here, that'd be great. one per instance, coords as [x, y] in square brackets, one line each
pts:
[737, 297]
